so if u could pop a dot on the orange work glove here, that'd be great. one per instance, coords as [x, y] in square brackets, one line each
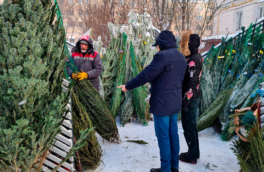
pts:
[74, 76]
[82, 75]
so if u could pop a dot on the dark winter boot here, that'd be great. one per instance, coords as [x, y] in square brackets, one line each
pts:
[174, 170]
[185, 159]
[155, 170]
[184, 155]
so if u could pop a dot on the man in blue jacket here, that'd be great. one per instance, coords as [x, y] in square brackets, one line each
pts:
[165, 73]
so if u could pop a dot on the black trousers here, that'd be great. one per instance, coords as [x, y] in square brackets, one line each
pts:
[190, 129]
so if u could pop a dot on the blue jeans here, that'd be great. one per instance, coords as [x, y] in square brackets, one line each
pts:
[166, 130]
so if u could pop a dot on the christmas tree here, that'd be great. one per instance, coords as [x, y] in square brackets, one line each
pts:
[129, 52]
[250, 154]
[31, 70]
[234, 65]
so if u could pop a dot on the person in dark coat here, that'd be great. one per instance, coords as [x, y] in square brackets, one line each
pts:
[165, 73]
[191, 100]
[87, 60]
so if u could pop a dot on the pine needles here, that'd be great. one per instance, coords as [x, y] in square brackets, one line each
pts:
[100, 114]
[91, 153]
[251, 154]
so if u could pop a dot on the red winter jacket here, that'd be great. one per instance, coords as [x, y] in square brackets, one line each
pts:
[89, 62]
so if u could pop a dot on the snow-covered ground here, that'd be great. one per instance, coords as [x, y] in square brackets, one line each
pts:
[132, 157]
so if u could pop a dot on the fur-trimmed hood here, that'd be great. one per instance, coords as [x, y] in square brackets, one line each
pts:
[184, 44]
[89, 40]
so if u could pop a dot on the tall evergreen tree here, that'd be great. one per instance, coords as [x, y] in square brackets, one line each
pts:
[31, 70]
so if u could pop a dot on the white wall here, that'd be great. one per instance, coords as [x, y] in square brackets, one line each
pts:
[228, 18]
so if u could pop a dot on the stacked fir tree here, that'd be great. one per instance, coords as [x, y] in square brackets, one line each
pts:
[128, 53]
[231, 74]
[90, 110]
[31, 70]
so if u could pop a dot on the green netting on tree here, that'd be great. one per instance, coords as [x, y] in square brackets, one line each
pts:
[90, 155]
[100, 114]
[31, 71]
[128, 64]
[110, 63]
[127, 108]
[245, 91]
[224, 115]
[232, 72]
[250, 99]
[227, 63]
[209, 116]
[216, 72]
[240, 62]
[246, 71]
[59, 18]
[116, 99]
[226, 134]
[140, 93]
[230, 64]
[207, 90]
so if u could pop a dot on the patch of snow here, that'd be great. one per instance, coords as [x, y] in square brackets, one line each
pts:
[131, 12]
[219, 37]
[261, 19]
[202, 45]
[228, 36]
[260, 1]
[132, 157]
[156, 29]
[124, 28]
[89, 32]
[146, 14]
[148, 34]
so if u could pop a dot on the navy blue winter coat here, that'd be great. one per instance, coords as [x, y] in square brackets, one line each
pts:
[165, 73]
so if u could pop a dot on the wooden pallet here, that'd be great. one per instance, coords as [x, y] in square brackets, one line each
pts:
[63, 143]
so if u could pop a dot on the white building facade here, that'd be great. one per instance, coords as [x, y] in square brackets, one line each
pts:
[235, 14]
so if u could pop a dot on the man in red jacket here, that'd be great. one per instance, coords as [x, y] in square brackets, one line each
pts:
[88, 62]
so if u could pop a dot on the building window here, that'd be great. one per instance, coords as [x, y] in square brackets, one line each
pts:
[199, 18]
[199, 8]
[86, 2]
[208, 28]
[239, 18]
[80, 13]
[131, 3]
[80, 2]
[70, 1]
[121, 3]
[261, 12]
